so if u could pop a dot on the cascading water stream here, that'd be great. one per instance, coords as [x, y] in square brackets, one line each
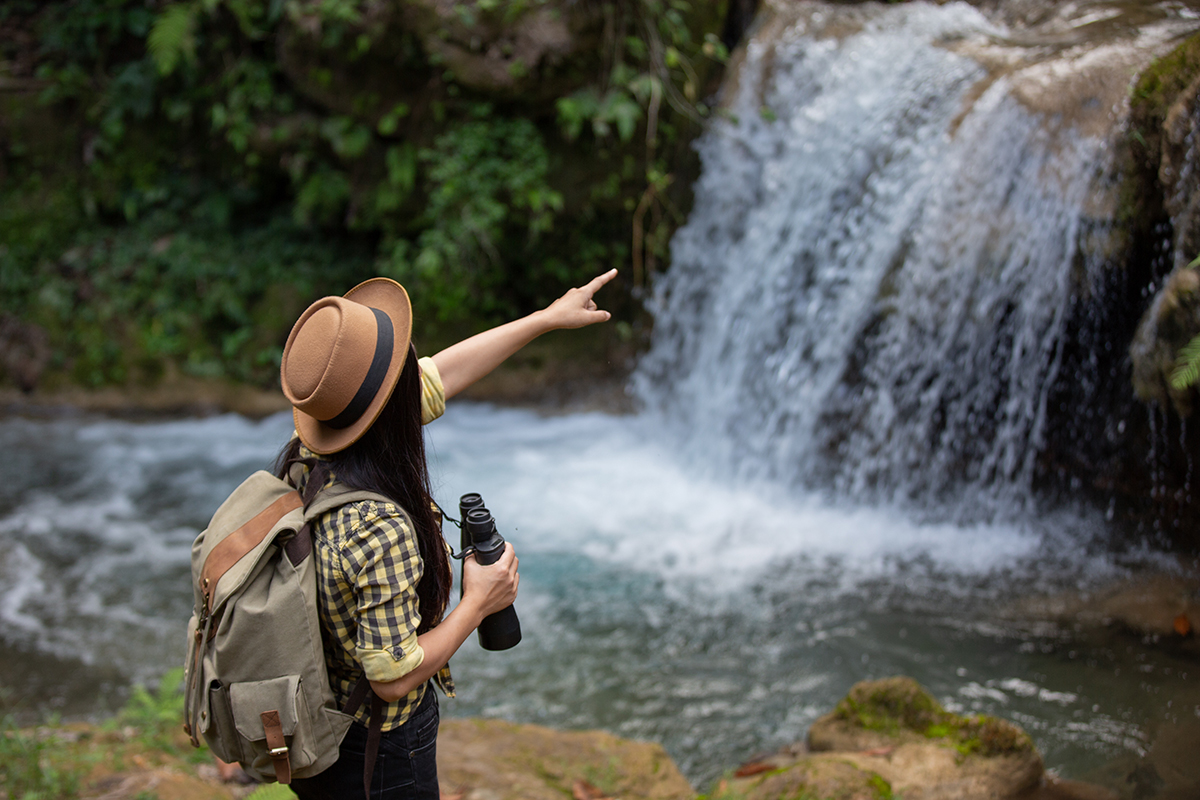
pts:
[870, 294]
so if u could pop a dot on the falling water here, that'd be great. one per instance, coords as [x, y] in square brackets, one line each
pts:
[870, 295]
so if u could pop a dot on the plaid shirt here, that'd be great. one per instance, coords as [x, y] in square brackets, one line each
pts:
[368, 566]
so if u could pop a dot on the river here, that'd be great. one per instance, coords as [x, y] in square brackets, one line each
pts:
[716, 616]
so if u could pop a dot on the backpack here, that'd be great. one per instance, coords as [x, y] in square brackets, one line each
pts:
[257, 689]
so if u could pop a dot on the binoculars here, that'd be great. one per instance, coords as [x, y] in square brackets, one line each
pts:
[501, 630]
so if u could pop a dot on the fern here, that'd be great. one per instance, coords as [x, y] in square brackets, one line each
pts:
[1187, 365]
[173, 37]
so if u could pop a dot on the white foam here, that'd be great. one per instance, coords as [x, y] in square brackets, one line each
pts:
[608, 487]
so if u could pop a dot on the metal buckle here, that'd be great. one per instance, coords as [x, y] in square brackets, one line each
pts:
[276, 752]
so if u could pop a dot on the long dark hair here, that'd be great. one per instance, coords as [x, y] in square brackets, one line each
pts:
[389, 459]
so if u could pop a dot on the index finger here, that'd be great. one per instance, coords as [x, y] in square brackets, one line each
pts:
[593, 286]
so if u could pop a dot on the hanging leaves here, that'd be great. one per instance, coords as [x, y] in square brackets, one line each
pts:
[1187, 365]
[172, 37]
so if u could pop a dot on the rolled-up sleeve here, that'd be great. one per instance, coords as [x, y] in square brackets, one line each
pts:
[382, 560]
[433, 394]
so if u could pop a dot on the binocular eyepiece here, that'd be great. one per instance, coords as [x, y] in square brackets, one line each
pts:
[501, 630]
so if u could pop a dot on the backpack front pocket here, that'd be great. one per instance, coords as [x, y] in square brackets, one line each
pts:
[216, 724]
[279, 696]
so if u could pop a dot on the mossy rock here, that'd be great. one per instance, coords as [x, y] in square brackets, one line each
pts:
[889, 705]
[823, 778]
[898, 710]
[1161, 88]
[1162, 82]
[503, 760]
[1157, 90]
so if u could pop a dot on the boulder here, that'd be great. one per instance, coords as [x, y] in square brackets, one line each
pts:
[528, 52]
[891, 738]
[511, 50]
[1163, 608]
[489, 759]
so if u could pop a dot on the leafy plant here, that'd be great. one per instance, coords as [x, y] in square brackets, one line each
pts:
[172, 37]
[488, 192]
[1187, 362]
[26, 771]
[194, 169]
[1187, 365]
[156, 715]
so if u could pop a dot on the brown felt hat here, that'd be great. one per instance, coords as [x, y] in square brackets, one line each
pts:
[342, 360]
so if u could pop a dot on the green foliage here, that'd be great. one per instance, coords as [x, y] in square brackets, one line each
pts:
[157, 715]
[271, 791]
[211, 156]
[173, 37]
[487, 193]
[1187, 362]
[119, 303]
[26, 770]
[882, 789]
[1187, 365]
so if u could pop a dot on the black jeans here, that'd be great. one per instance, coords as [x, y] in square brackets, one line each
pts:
[405, 768]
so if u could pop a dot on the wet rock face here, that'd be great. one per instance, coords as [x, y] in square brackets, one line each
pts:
[529, 52]
[1159, 220]
[1170, 109]
[503, 52]
[1179, 170]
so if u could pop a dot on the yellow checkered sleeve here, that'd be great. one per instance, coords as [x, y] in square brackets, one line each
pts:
[433, 394]
[368, 567]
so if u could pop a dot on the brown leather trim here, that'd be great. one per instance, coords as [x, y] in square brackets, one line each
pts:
[230, 549]
[277, 746]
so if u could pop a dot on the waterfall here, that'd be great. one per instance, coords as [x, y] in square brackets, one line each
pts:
[870, 294]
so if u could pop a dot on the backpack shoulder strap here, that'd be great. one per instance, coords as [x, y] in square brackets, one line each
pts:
[339, 495]
[299, 546]
[259, 521]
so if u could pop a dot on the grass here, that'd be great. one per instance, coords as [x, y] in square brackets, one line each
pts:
[60, 761]
[26, 768]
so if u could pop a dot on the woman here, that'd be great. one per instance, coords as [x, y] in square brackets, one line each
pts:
[359, 397]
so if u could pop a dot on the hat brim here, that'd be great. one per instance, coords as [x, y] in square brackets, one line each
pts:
[389, 297]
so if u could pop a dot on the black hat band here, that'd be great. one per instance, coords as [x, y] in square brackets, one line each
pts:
[373, 380]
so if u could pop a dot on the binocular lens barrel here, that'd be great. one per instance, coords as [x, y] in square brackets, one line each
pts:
[489, 544]
[501, 630]
[465, 504]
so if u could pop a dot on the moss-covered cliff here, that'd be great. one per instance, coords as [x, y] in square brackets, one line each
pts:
[1120, 429]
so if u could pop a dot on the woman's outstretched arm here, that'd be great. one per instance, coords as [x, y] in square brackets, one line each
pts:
[464, 363]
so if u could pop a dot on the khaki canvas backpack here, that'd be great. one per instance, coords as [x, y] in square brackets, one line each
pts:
[257, 689]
